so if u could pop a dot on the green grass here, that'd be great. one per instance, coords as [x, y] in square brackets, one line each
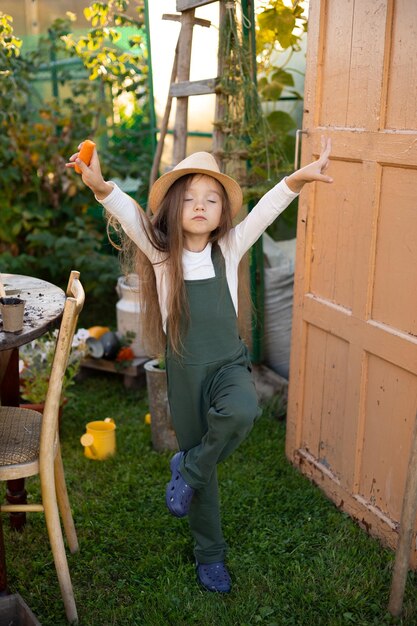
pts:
[295, 559]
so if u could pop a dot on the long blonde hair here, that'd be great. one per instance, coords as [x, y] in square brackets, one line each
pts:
[164, 231]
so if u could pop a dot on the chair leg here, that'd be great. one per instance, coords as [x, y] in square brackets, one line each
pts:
[64, 504]
[3, 571]
[57, 546]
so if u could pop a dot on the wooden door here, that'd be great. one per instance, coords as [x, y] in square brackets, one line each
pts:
[353, 375]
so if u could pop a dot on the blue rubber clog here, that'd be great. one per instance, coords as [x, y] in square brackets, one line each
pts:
[178, 492]
[214, 577]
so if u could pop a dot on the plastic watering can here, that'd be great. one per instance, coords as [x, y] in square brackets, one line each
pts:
[100, 439]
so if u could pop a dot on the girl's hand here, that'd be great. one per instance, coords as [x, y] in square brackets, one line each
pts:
[91, 174]
[313, 171]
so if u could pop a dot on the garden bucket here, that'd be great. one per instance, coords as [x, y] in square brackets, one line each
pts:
[100, 439]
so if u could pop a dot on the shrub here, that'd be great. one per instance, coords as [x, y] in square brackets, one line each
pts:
[50, 221]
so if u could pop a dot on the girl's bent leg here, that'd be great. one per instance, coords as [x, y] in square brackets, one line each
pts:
[233, 410]
[213, 409]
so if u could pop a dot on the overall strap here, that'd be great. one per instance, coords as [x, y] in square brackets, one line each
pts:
[218, 260]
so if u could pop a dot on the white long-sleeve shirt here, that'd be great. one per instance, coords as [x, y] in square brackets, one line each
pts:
[198, 265]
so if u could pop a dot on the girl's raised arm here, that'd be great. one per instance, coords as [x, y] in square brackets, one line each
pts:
[117, 204]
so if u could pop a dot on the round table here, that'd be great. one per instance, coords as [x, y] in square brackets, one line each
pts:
[44, 304]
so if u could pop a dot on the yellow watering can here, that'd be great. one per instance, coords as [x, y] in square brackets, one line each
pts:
[100, 439]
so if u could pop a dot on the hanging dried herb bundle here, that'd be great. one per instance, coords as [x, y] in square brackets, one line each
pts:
[251, 149]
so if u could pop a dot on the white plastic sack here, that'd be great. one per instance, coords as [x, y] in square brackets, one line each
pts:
[279, 258]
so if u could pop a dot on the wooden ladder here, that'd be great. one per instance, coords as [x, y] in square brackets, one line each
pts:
[182, 88]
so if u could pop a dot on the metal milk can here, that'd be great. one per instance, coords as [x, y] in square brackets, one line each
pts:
[127, 311]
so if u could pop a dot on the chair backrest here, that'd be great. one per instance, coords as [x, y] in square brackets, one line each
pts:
[73, 307]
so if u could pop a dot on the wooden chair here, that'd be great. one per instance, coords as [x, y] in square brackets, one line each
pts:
[29, 445]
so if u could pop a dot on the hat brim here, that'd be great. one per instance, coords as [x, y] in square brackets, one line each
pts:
[160, 187]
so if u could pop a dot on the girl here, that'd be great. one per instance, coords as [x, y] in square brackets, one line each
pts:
[189, 305]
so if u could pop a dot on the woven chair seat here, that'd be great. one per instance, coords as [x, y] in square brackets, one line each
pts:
[20, 431]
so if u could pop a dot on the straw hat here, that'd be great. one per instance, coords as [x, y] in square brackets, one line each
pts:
[197, 163]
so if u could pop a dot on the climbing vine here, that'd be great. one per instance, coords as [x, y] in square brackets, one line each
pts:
[258, 145]
[249, 133]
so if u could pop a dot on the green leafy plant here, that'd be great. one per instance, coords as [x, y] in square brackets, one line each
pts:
[49, 219]
[250, 134]
[125, 356]
[41, 201]
[280, 28]
[114, 54]
[35, 365]
[279, 31]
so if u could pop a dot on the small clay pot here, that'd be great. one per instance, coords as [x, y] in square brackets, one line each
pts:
[12, 310]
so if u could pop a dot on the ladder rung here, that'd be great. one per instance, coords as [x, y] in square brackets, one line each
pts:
[193, 88]
[183, 5]
[197, 21]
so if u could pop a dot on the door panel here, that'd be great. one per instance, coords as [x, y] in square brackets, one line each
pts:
[396, 252]
[401, 110]
[324, 393]
[333, 252]
[352, 62]
[353, 375]
[387, 434]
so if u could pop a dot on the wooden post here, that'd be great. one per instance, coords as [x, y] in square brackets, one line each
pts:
[408, 517]
[183, 74]
[32, 17]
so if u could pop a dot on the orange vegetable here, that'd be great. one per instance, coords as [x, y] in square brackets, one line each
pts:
[85, 154]
[125, 354]
[98, 331]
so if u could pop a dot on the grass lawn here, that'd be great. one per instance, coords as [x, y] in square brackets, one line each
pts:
[294, 558]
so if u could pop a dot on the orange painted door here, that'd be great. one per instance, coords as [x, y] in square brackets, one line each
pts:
[353, 375]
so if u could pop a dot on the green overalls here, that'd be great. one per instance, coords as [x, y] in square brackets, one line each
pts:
[212, 399]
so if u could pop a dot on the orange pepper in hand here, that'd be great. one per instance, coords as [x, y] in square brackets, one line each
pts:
[85, 153]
